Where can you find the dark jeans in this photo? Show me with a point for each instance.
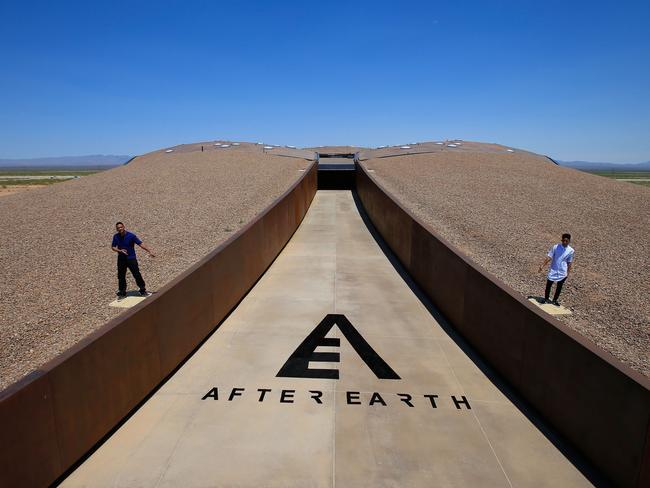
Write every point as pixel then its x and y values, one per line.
pixel 132 264
pixel 558 288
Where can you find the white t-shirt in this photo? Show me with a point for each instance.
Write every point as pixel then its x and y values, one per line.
pixel 560 256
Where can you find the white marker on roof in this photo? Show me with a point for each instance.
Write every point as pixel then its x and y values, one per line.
pixel 225 145
pixel 452 145
pixel 268 147
pixel 291 147
pixel 169 150
pixel 235 144
pixel 440 143
pixel 405 147
pixel 510 150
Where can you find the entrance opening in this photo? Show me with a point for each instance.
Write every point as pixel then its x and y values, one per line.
pixel 336 171
pixel 336 155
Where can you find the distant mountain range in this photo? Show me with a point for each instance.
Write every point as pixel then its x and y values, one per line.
pixel 590 166
pixel 93 160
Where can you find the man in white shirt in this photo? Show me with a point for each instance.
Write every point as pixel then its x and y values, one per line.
pixel 561 257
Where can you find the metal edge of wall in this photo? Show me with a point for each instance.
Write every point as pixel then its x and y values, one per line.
pixel 552 160
pixel 53 416
pixel 595 401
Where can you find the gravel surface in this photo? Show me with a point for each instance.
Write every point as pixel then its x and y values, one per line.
pixel 335 149
pixel 58 271
pixel 13 189
pixel 506 209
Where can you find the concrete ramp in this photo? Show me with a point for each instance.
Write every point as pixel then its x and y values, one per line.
pixel 331 372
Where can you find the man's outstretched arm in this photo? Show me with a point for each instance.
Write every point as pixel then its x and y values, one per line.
pixel 143 246
pixel 546 261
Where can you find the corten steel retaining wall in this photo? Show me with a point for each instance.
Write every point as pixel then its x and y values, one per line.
pixel 51 418
pixel 591 398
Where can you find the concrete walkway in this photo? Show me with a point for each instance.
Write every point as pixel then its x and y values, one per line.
pixel 330 305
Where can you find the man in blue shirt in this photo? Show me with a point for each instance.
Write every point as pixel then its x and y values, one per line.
pixel 124 245
pixel 561 257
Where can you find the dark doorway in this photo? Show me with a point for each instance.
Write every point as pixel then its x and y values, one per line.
pixel 336 171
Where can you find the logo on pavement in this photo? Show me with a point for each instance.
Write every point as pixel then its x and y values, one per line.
pixel 297 366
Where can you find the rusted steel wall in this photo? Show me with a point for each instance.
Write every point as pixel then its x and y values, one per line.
pixel 51 418
pixel 596 402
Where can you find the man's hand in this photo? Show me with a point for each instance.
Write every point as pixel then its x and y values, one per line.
pixel 120 251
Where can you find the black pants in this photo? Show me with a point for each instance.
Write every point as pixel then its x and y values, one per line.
pixel 558 288
pixel 122 264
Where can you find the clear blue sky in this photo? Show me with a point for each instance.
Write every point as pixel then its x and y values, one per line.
pixel 570 79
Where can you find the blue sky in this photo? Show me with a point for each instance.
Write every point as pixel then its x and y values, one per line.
pixel 567 79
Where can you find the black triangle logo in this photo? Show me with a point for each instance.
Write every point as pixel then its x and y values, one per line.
pixel 297 366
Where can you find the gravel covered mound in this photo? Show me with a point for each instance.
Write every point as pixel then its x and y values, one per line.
pixel 58 271
pixel 335 149
pixel 505 210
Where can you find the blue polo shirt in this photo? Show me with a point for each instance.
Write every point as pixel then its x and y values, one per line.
pixel 127 242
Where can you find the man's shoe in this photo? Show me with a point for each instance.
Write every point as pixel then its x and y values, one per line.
pixel 121 297
pixel 541 300
pixel 145 293
pixel 556 303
